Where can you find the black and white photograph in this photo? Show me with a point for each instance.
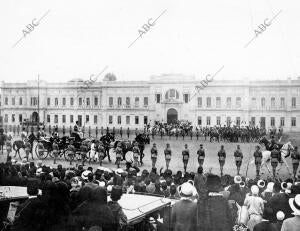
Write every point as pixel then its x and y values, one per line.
pixel 147 115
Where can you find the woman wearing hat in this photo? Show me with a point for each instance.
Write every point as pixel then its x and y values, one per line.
pixel 222 157
pixel 168 153
pixel 184 212
pixel 153 155
pixel 185 156
pixel 293 223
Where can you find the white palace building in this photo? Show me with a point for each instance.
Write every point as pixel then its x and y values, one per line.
pixel 163 98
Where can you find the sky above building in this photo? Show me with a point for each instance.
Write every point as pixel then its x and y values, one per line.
pixel 77 39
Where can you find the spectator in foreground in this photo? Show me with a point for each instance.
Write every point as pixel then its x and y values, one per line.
pixel 183 212
pixel 293 223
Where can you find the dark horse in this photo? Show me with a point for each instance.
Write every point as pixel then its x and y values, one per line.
pixel 106 140
pixel 19 144
pixel 269 146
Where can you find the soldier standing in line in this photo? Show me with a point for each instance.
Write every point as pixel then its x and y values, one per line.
pixel 136 154
pixel 83 152
pixel 205 133
pixel 119 154
pixel 168 153
pixel 182 133
pixel 238 155
pixel 152 133
pixel 295 160
pixel 101 152
pixel 161 134
pixel 191 134
pixel 28 149
pixel 55 150
pixel 128 132
pixel 71 151
pixel 274 159
pixel 154 155
pixel 197 133
pixel 185 157
pixel 201 155
pixel 257 159
pixel 222 157
pixel 176 133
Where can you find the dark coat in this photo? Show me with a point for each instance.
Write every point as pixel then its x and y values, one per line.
pixel 184 216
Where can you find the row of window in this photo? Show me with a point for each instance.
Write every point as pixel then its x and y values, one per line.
pixel 238 102
pixel 127 119
pixel 262 121
pixel 172 94
pixel 127 101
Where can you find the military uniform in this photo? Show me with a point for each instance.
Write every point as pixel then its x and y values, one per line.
pixel 222 157
pixel 83 152
pixel 185 157
pixel 257 160
pixel 274 160
pixel 201 155
pixel 71 152
pixel 136 154
pixel 55 151
pixel 168 153
pixel 154 155
pixel 28 149
pixel 101 152
pixel 119 154
pixel 295 160
pixel 238 155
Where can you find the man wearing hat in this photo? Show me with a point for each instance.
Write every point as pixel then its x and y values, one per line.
pixel 222 157
pixel 154 155
pixel 136 154
pixel 238 155
pixel 295 160
pixel 184 211
pixel 119 154
pixel 275 155
pixel 101 152
pixel 201 155
pixel 185 157
pixel 168 153
pixel 257 159
pixel 293 223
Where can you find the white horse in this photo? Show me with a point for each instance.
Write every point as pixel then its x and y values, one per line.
pixel 284 152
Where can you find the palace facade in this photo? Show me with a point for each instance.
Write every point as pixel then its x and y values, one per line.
pixel 163 98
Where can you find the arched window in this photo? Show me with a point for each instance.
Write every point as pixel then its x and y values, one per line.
pixel 172 94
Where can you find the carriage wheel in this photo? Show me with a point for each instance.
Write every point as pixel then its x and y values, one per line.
pixel 67 156
pixel 40 151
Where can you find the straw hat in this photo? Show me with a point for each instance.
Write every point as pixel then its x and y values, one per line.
pixel 295 204
pixel 237 179
pixel 85 174
pixel 280 215
pixel 270 187
pixel 261 183
pixel 254 189
pixel 186 190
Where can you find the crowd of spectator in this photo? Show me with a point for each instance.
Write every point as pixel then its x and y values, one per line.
pixel 82 198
